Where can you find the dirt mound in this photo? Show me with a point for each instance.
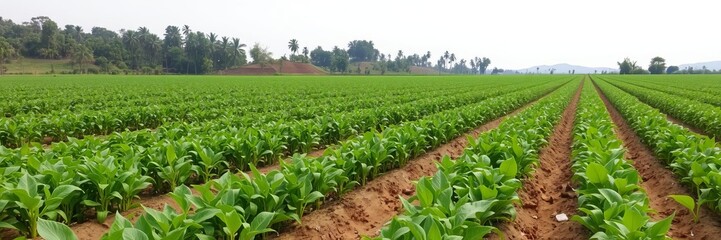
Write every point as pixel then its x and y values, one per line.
pixel 286 67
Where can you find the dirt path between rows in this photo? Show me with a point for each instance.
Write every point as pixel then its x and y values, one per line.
pixel 363 211
pixel 549 191
pixel 659 182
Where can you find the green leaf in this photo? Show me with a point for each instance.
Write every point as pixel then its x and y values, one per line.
pixel 633 219
pixel 424 192
pixel 134 234
pixel 50 230
pixel 685 201
pixel 258 226
pixel 596 173
pixel 611 195
pixel 660 228
pixel 509 167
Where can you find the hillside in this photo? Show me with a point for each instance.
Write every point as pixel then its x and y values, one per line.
pixel 37 66
pixel 714 65
pixel 287 67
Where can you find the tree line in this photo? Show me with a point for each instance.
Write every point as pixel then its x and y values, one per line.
pixel 178 50
pixel 182 50
pixel 658 66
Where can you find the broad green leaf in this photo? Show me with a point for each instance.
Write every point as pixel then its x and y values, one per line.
pixel 509 167
pixel 51 230
pixel 134 234
pixel 685 201
pixel 596 173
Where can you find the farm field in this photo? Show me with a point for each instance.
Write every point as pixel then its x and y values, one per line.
pixel 350 157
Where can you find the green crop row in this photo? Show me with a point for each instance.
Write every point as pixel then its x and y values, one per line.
pixel 611 201
pixel 694 158
pixel 468 195
pixel 233 207
pixel 42 95
pixel 110 183
pixel 713 99
pixel 701 115
pixel 60 125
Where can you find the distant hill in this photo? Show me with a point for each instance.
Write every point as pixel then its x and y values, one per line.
pixel 715 65
pixel 287 67
pixel 564 68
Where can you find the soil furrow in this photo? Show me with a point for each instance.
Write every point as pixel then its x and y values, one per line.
pixel 549 191
pixel 363 211
pixel 660 182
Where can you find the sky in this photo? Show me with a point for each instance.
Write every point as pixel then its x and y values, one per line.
pixel 514 34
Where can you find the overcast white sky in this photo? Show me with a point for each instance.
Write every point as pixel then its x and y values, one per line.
pixel 513 34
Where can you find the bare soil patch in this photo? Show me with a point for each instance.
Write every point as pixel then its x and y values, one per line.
pixel 659 182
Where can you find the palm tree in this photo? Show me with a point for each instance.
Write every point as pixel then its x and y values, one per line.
pixel 237 50
pixel 452 59
pixel 187 32
pixel 83 55
pixel 446 56
pixel 79 32
pixel 212 41
pixel 293 46
pixel 131 40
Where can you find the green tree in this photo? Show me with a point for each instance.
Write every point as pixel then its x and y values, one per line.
pixel 6 52
pixel 657 66
pixel 293 46
pixel 321 58
pixel 362 51
pixel 261 55
pixel 340 60
pixel 451 59
pixel 49 39
pixel 482 64
pixel 627 66
pixel 672 69
pixel 172 40
pixel 83 55
pixel 238 52
pixel 446 56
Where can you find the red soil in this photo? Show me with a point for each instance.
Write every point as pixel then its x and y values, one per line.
pixel 287 67
pixel 659 182
pixel 549 192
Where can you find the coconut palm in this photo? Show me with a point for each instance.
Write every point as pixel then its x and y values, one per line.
pixel 237 51
pixel 451 59
pixel 293 46
pixel 446 56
